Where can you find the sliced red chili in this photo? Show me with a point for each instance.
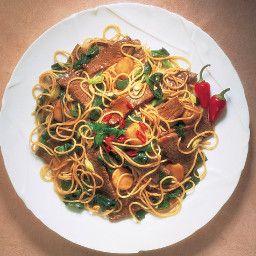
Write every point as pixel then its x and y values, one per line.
pixel 108 148
pixel 121 122
pixel 141 136
pixel 129 105
pixel 131 153
pixel 143 127
pixel 106 118
pixel 109 139
pixel 121 139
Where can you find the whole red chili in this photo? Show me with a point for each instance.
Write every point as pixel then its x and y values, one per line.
pixel 108 148
pixel 143 127
pixel 131 153
pixel 217 104
pixel 202 89
pixel 129 105
pixel 121 139
pixel 141 136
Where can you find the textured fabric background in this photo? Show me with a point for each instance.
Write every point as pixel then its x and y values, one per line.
pixel 233 25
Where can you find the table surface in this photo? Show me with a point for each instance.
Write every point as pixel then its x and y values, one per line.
pixel 232 24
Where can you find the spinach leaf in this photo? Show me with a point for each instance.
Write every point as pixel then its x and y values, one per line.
pixel 141 158
pixel 75 206
pixel 147 68
pixel 140 214
pixel 65 184
pixel 106 129
pixel 98 139
pixel 98 79
pixel 167 64
pixel 44 137
pixel 94 115
pixel 74 109
pixel 104 202
pixel 153 82
pixel 160 53
pixel 56 66
pixel 168 197
pixel 65 147
pixel 156 102
pixel 86 57
pixel 179 129
pixel 62 93
pixel 122 84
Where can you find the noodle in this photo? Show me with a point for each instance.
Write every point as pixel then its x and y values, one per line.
pixel 68 139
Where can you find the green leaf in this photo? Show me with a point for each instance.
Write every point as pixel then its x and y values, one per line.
pixel 74 109
pixel 86 57
pixel 153 82
pixel 44 137
pixel 141 158
pixel 156 102
pixel 62 93
pixel 122 84
pixel 65 184
pixel 95 114
pixel 167 64
pixel 147 68
pixel 140 214
pixel 65 147
pixel 129 121
pixel 75 206
pixel 98 79
pixel 56 66
pixel 98 139
pixel 104 202
pixel 179 129
pixel 160 53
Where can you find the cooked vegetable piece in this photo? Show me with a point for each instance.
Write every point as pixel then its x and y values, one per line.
pixel 104 202
pixel 153 82
pixel 176 170
pixel 147 68
pixel 76 206
pixel 125 181
pixel 160 53
pixel 122 84
pixel 179 129
pixel 167 64
pixel 86 57
pixel 140 214
pixel 125 65
pixel 141 158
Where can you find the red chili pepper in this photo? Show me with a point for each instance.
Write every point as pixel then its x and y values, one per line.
pixel 108 148
pixel 109 139
pixel 121 122
pixel 129 105
pixel 141 136
pixel 217 104
pixel 143 127
pixel 121 139
pixel 202 90
pixel 106 118
pixel 132 153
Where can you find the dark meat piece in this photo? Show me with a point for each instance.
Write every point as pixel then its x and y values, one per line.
pixel 107 188
pixel 77 93
pixel 65 78
pixel 194 116
pixel 168 143
pixel 40 152
pixel 171 109
pixel 192 77
pixel 124 213
pixel 125 104
pixel 107 57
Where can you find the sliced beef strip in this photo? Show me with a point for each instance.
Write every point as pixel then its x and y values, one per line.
pixel 66 77
pixel 107 187
pixel 168 143
pixel 125 104
pixel 192 77
pixel 124 213
pixel 76 92
pixel 108 56
pixel 40 152
pixel 171 109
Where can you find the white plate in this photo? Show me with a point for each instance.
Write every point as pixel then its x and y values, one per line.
pixel 157 28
